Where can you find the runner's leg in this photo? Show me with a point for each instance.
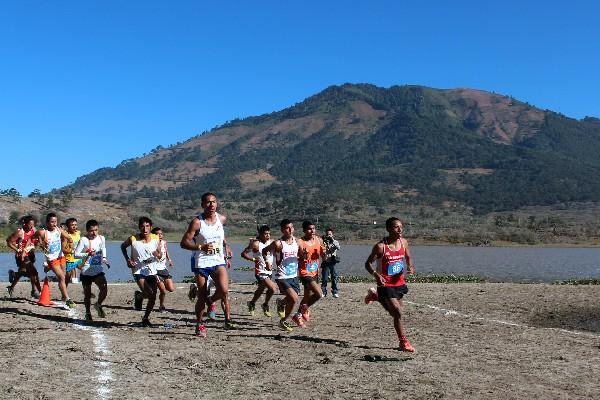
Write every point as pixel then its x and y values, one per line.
pixel 222 290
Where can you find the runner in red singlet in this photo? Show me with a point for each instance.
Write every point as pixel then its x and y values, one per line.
pixel 23 243
pixel 393 257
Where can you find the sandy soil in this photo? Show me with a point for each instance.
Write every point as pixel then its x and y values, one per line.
pixel 472 341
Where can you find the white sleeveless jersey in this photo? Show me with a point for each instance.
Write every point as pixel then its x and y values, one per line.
pixel 262 267
pixel 54 245
pixel 162 263
pixel 214 234
pixel 141 253
pixel 93 265
pixel 288 266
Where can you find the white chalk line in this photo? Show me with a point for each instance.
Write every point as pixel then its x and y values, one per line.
pixel 101 348
pixel 448 312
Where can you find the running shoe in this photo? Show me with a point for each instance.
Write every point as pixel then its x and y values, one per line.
pixel 212 311
pixel 88 317
pixel 99 310
pixel 70 303
pixel 162 309
pixel 336 295
pixel 305 312
pixel 297 318
pixel 284 325
pixel 266 310
pixel 200 331
pixel 371 296
pixel 280 307
pixel 10 290
pixel 193 292
pixel 229 326
pixel 146 323
pixel 405 345
pixel 35 294
pixel 251 307
pixel 11 276
pixel 138 299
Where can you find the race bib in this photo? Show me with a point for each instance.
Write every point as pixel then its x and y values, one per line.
pixel 291 269
pixel 396 268
pixel 53 247
pixel 312 266
pixel 96 260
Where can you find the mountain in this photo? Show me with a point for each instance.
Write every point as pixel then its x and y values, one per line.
pixel 359 146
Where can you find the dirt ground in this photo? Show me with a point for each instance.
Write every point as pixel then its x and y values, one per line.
pixel 506 341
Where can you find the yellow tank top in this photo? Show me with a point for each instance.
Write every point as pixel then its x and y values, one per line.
pixel 69 248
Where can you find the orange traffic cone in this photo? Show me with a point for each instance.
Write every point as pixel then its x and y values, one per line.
pixel 45 296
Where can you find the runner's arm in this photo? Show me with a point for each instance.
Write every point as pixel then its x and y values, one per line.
pixel 247 250
pixel 11 241
pixel 376 253
pixel 79 252
pixel 187 241
pixel 124 246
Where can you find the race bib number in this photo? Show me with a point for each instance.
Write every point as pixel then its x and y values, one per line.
pixel 96 260
pixel 291 269
pixel 53 247
pixel 396 268
pixel 312 266
pixel 215 251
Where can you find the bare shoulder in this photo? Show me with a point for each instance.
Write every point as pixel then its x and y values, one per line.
pixel 223 218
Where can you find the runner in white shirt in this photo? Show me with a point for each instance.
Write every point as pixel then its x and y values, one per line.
pixel 205 236
pixel 286 276
pixel 262 269
pixel 165 280
pixel 145 253
pixel 91 249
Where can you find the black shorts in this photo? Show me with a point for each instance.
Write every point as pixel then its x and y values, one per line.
pixel 89 279
pixel 284 284
pixel 27 262
pixel 391 292
pixel 163 274
pixel 148 278
pixel 306 280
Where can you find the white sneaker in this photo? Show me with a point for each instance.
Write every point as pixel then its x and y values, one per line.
pixel 336 295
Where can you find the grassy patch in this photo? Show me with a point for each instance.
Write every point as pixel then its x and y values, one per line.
pixel 579 281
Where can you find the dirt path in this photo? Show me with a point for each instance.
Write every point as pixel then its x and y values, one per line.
pixel 472 341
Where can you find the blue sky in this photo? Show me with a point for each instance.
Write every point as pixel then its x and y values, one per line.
pixel 87 84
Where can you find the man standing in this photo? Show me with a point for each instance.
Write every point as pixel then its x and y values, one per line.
pixel 205 236
pixel 393 257
pixel 23 243
pixel 332 247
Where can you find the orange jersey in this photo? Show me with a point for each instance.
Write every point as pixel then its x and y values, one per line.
pixel 310 266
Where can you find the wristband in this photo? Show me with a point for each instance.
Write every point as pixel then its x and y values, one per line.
pixel 199 247
pixel 254 259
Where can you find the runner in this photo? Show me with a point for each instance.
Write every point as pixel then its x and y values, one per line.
pixel 311 253
pixel 145 253
pixel 262 269
pixel 286 277
pixel 392 255
pixel 165 280
pixel 205 236
pixel 23 243
pixel 51 239
pixel 91 252
pixel 72 263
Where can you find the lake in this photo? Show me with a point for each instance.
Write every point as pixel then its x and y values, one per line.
pixel 497 264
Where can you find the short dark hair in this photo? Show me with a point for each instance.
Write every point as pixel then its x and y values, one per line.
pixel 284 222
pixel 27 219
pixel 263 228
pixel 144 220
pixel 306 224
pixel 69 220
pixel 205 196
pixel 390 221
pixel 90 223
pixel 156 229
pixel 328 229
pixel 50 216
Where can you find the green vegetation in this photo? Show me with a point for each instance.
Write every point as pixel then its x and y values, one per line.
pixel 579 281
